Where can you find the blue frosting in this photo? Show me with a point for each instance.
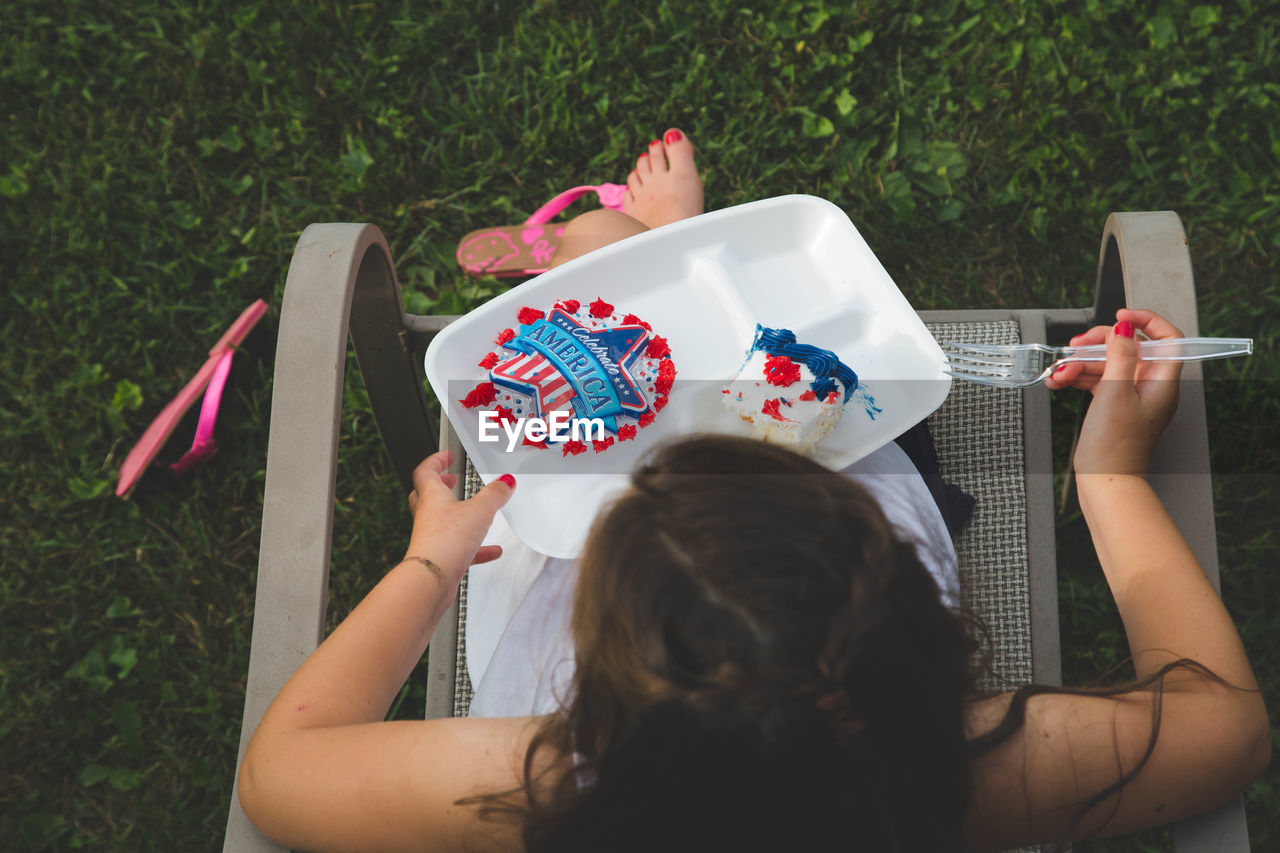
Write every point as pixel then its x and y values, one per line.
pixel 823 363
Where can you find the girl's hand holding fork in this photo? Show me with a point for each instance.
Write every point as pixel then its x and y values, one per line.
pixel 1133 400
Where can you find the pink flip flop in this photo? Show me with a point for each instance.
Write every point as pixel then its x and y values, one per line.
pixel 213 375
pixel 523 250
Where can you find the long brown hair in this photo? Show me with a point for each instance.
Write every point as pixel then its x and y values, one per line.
pixel 762 664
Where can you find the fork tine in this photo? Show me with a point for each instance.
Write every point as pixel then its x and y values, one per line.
pixel 1011 378
pixel 975 354
pixel 981 380
pixel 965 358
pixel 981 349
pixel 990 379
pixel 992 371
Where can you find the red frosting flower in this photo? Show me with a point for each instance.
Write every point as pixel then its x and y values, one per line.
pixel 572 448
pixel 482 395
pixel 505 415
pixel 781 371
pixel 505 335
pixel 626 433
pixel 601 309
pixel 601 444
pixel 832 397
pixel 808 395
pixel 529 315
pixel 658 347
pixel 660 403
pixel 645 420
pixel 569 306
pixel 666 376
pixel 633 320
pixel 489 360
pixel 770 408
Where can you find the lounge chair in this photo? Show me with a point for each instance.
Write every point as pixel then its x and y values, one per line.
pixel 341 281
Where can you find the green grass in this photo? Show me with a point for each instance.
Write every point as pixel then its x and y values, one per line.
pixel 159 159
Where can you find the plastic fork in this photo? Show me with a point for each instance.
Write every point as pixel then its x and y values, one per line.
pixel 1024 365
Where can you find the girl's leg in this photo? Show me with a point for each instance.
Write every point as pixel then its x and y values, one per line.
pixel 595 230
pixel 664 187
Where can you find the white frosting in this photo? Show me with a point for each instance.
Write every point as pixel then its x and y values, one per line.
pixel 801 423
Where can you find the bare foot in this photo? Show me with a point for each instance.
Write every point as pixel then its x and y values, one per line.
pixel 664 187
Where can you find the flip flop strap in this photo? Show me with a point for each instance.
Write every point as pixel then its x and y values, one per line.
pixel 610 195
pixel 163 426
pixel 204 445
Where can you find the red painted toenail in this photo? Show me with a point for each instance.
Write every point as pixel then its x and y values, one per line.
pixel 644 154
pixel 655 142
pixel 672 137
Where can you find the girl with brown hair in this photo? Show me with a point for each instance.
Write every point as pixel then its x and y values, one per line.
pixel 762 662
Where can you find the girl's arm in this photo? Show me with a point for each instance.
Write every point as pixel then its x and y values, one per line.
pixel 323 770
pixel 1212 738
pixel 357 671
pixel 1169 607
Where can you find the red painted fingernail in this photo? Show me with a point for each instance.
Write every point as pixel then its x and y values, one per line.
pixel 509 480
pixel 1058 369
pixel 1124 329
pixel 672 137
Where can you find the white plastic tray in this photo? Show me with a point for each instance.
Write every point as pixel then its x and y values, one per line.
pixel 794 262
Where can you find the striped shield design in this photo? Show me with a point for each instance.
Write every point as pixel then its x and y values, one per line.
pixel 551 390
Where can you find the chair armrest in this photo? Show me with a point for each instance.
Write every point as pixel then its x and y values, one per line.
pixel 297 521
pixel 389 350
pixel 1145 263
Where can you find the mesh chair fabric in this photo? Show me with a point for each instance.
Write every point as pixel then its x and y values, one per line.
pixel 979 435
pixel 462 689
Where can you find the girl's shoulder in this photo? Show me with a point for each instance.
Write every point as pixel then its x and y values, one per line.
pixel 1035 785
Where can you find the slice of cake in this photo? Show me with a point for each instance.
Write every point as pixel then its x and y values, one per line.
pixel 791 393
